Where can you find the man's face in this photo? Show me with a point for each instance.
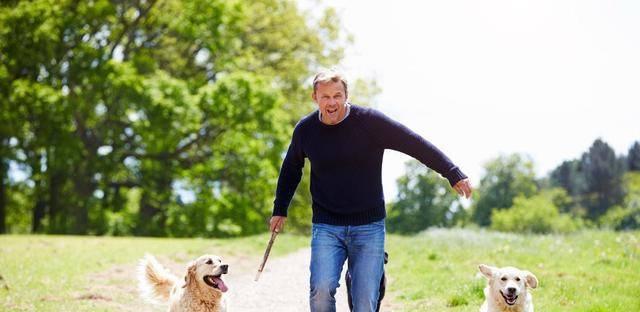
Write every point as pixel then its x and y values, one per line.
pixel 332 101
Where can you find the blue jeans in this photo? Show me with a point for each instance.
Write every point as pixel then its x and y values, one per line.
pixel 331 245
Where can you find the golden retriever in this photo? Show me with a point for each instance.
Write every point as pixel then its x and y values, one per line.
pixel 506 289
pixel 201 291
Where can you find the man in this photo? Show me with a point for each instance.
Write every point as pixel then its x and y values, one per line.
pixel 345 144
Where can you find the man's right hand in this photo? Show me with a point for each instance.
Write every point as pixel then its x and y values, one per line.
pixel 276 224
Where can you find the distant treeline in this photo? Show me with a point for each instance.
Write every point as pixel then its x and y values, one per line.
pixel 599 189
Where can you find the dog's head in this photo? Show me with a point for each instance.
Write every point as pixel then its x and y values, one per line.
pixel 207 270
pixel 508 284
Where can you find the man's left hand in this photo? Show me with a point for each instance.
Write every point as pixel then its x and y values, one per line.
pixel 463 187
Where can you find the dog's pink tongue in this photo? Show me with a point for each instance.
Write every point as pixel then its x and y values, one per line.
pixel 221 285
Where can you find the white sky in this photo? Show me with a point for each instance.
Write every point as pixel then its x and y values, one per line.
pixel 484 78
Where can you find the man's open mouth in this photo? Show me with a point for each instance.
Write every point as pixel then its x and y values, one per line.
pixel 331 111
pixel 509 299
pixel 216 282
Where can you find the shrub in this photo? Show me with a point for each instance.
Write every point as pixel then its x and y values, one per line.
pixel 627 216
pixel 535 214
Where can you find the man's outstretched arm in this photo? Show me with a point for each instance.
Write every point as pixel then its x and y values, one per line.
pixel 288 180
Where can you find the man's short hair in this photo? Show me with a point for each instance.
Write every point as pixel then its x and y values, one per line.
pixel 331 75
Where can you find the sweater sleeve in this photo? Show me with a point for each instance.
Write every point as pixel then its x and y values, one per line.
pixel 290 174
pixel 393 135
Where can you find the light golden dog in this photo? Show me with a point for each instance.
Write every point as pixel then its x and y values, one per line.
pixel 201 290
pixel 506 289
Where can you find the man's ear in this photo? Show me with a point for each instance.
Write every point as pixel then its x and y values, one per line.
pixel 531 279
pixel 190 277
pixel 313 96
pixel 486 270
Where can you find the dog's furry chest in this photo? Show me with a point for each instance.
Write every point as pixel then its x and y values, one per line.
pixel 186 302
pixel 492 304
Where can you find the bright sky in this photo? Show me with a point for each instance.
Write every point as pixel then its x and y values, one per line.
pixel 484 78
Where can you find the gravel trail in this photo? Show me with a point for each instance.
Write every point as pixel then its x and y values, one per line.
pixel 283 286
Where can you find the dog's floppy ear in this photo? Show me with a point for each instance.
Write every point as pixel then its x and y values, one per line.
pixel 486 270
pixel 191 273
pixel 531 279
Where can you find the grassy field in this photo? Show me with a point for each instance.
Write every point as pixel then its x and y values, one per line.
pixel 586 272
pixel 72 273
pixel 432 271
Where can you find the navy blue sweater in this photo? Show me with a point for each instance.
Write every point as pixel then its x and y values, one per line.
pixel 346 165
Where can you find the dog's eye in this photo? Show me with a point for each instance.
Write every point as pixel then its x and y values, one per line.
pixel 209 261
pixel 517 279
pixel 503 279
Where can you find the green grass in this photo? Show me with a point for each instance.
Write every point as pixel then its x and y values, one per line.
pixel 53 273
pixel 587 271
pixel 433 271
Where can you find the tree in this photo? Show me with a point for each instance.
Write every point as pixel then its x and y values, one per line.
pixel 113 97
pixel 569 176
pixel 603 173
pixel 4 170
pixel 535 214
pixel 424 199
pixel 627 215
pixel 505 178
pixel 633 158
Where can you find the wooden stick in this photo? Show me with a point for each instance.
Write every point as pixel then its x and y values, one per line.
pixel 266 254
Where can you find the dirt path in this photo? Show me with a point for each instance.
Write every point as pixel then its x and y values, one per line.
pixel 283 286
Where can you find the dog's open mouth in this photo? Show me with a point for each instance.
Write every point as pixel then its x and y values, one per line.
pixel 509 299
pixel 216 282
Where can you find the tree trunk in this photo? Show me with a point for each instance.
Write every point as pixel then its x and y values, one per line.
pixel 38 215
pixel 55 178
pixel 146 217
pixel 155 199
pixel 84 188
pixel 39 209
pixel 4 168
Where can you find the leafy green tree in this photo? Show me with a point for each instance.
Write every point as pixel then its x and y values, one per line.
pixel 424 199
pixel 111 98
pixel 4 183
pixel 603 173
pixel 505 178
pixel 569 176
pixel 633 158
pixel 535 214
pixel 627 215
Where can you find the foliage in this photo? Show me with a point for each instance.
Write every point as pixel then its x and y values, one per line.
pixel 626 216
pixel 568 175
pixel 505 178
pixel 424 200
pixel 105 99
pixel 633 157
pixel 536 214
pixel 603 173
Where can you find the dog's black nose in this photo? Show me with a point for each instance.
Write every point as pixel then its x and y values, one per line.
pixel 511 290
pixel 224 268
